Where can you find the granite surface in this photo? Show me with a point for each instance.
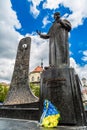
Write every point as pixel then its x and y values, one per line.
pixel 59 85
pixel 20 92
pixel 15 124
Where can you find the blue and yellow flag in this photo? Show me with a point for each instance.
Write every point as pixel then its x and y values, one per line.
pixel 50 116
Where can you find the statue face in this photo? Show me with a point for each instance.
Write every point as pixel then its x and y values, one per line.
pixel 56 16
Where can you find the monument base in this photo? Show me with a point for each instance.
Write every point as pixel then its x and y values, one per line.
pixel 61 86
pixel 28 111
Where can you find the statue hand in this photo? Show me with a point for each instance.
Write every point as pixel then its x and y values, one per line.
pixel 38 32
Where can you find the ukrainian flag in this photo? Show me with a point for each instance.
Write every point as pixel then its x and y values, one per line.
pixel 50 116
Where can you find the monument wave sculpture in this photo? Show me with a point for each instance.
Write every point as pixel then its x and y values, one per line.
pixel 58 41
pixel 20 92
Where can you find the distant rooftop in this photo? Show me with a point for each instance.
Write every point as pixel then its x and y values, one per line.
pixel 37 69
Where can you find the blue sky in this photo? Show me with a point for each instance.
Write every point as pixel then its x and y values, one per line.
pixel 21 18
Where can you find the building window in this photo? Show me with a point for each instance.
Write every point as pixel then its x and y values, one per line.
pixel 38 78
pixel 32 79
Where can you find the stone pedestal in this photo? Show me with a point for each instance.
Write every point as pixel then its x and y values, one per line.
pixel 61 86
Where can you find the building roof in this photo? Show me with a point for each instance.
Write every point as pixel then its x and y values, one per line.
pixel 37 69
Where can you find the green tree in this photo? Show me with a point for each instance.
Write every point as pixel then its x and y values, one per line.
pixel 35 89
pixel 3 92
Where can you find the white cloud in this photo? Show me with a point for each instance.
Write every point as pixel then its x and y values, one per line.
pixel 6 69
pixel 39 50
pixel 33 7
pixel 34 11
pixel 77 7
pixel 7 15
pixel 84 58
pixel 45 21
pixel 80 70
pixel 79 11
pixel 85 53
pixel 8 39
pixel 50 4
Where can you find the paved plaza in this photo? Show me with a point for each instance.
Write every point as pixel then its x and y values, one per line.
pixel 15 124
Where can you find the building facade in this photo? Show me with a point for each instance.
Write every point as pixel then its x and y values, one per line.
pixel 35 75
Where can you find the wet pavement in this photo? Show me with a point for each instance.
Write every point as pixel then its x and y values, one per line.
pixel 18 124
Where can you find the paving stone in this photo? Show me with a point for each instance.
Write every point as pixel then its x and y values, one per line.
pixel 15 124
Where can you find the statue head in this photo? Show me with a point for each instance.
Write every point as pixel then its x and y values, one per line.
pixel 56 15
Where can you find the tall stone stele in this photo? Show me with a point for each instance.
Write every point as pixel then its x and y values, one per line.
pixel 19 92
pixel 59 82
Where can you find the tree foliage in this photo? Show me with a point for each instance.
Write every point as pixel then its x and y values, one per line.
pixel 3 92
pixel 35 89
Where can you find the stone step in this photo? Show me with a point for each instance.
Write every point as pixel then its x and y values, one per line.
pixel 26 105
pixel 5 108
pixel 20 113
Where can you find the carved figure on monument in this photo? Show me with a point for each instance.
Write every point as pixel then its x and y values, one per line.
pixel 58 41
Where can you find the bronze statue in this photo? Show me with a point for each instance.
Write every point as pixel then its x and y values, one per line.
pixel 58 41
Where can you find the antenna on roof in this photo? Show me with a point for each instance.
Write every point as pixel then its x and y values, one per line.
pixel 42 63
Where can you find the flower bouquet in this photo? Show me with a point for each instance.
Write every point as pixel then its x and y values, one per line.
pixel 50 116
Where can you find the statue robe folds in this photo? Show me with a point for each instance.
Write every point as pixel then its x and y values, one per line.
pixel 58 44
